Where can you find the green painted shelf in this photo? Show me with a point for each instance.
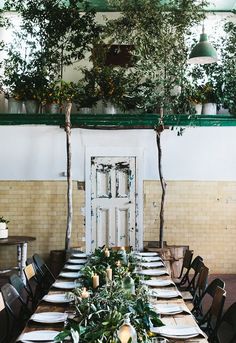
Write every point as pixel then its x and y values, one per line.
pixel 118 121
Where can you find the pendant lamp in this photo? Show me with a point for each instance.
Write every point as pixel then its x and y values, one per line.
pixel 203 52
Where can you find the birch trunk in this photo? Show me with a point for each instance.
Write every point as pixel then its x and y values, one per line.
pixel 162 181
pixel 69 176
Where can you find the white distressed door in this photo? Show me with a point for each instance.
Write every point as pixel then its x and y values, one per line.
pixel 113 201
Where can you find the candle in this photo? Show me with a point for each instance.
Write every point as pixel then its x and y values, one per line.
pixel 118 263
pixel 122 248
pixel 107 253
pixel 109 273
pixel 84 293
pixel 95 280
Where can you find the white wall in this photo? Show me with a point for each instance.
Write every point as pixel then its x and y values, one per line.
pixel 39 152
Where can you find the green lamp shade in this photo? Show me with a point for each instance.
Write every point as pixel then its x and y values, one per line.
pixel 203 52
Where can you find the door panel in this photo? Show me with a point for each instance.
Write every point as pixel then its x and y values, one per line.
pixel 113 201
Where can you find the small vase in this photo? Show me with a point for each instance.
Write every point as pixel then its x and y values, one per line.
pixel 198 109
pixel 209 109
pixel 110 108
pixel 32 106
pixel 14 105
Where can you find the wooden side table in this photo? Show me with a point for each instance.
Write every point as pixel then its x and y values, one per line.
pixel 21 243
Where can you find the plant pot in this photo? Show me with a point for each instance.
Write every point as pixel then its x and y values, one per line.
pixel 14 105
pixel 52 108
pixel 32 106
pixel 198 109
pixel 209 109
pixel 3 233
pixel 86 110
pixel 3 226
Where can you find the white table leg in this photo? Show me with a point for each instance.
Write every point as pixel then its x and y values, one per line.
pixel 21 259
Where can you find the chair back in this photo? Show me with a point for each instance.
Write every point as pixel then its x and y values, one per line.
pixel 196 267
pixel 33 284
pixel 4 322
pixel 16 308
pixel 23 291
pixel 226 332
pixel 212 318
pixel 201 284
pixel 186 262
pixel 46 278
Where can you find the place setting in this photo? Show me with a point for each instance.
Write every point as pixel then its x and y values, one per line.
pixel 79 255
pixel 56 298
pixel 165 293
pixel 49 317
pixel 65 284
pixel 179 332
pixel 70 275
pixel 38 336
pixel 153 272
pixel 73 266
pixel 152 264
pixel 158 283
pixel 171 309
pixel 77 260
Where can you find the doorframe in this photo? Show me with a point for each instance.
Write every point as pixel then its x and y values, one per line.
pixel 138 153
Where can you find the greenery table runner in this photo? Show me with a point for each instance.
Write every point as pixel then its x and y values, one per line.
pixel 110 291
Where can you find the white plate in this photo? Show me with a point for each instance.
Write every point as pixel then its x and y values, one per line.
pixel 49 317
pixel 58 298
pixel 39 335
pixel 177 332
pixel 152 264
pixel 157 283
pixel 149 254
pixel 77 260
pixel 73 266
pixel 64 285
pixel 150 259
pixel 169 309
pixel 154 272
pixel 166 294
pixel 79 255
pixel 70 275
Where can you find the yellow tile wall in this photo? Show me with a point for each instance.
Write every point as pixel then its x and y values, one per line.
pixel 38 208
pixel 199 214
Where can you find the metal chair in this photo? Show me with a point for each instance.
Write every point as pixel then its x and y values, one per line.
pixel 211 320
pixel 46 277
pixel 4 322
pixel 197 310
pixel 226 332
pixel 16 308
pixel 201 284
pixel 185 266
pixel 188 282
pixel 36 291
pixel 23 291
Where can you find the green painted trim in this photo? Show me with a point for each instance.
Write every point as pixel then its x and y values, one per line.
pixel 118 121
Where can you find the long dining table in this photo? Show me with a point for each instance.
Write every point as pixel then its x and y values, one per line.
pixel 184 319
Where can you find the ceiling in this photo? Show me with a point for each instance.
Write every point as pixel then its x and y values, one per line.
pixel 216 5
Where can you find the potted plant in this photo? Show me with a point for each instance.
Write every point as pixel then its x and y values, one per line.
pixel 3 227
pixel 197 98
pixel 229 71
pixel 51 98
pixel 210 99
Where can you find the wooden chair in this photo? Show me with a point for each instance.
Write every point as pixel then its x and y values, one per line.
pixel 211 320
pixel 36 291
pixel 185 266
pixel 16 308
pixel 197 310
pixel 4 322
pixel 23 291
pixel 226 332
